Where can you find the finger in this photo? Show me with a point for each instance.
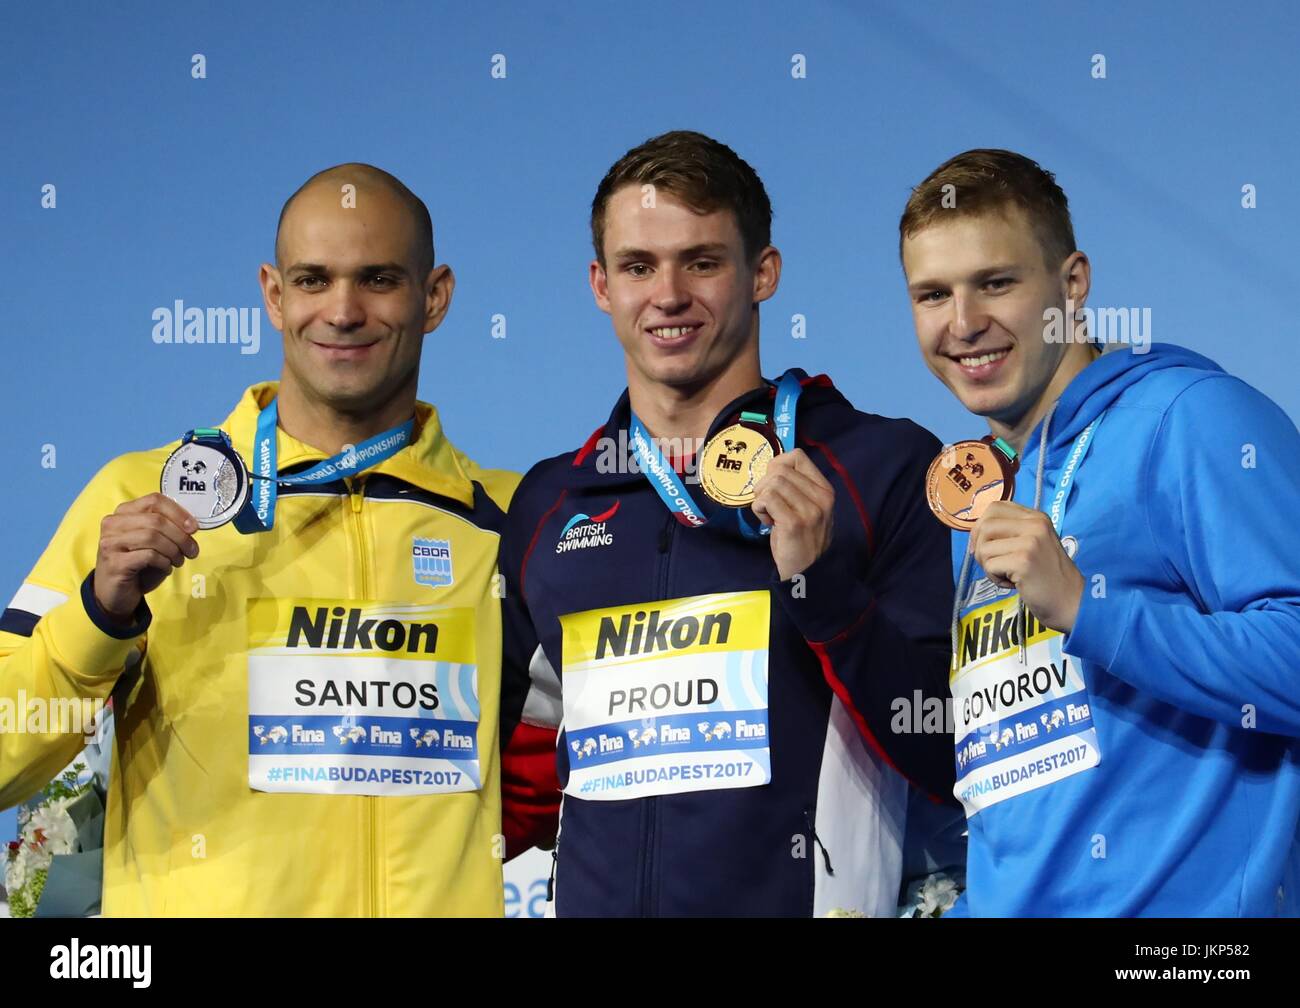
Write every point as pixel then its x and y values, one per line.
pixel 174 513
pixel 988 529
pixel 154 521
pixel 796 464
pixel 160 503
pixel 1009 509
pixel 771 504
pixel 786 508
pixel 139 560
pixel 1003 571
pixel 796 497
pixel 822 497
pixel 144 538
pixel 806 467
pixel 994 548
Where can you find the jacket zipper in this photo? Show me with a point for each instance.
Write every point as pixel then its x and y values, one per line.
pixel 812 833
pixel 356 496
pixel 555 853
pixel 650 814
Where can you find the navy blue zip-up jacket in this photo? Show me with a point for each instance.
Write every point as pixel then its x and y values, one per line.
pixel 854 648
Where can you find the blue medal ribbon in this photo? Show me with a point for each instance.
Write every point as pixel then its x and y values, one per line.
pixel 1056 510
pixel 258 514
pixel 672 489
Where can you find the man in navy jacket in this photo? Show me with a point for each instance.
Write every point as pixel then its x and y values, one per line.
pixel 730 686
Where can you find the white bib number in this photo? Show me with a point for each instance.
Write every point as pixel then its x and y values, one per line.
pixel 361 698
pixel 667 697
pixel 1019 725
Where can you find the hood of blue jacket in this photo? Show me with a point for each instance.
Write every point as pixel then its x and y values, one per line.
pixel 1099 385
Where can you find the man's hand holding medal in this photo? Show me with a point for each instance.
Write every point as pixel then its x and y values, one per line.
pixel 1018 548
pixel 798 502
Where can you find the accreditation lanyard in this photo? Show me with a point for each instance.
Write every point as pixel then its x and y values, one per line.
pixel 1056 510
pixel 259 514
pixel 672 489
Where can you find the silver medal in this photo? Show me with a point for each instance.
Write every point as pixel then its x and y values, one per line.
pixel 209 483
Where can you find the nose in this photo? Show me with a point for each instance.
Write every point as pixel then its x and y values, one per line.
pixel 345 310
pixel 969 319
pixel 670 293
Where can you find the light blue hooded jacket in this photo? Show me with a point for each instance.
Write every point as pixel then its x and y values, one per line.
pixel 1186 512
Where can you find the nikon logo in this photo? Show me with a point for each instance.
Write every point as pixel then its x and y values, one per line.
pixel 993 633
pixel 644 633
pixel 344 628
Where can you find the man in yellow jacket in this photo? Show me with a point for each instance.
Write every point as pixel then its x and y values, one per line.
pixel 306 697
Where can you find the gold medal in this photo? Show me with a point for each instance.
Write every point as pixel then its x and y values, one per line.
pixel 966 477
pixel 734 460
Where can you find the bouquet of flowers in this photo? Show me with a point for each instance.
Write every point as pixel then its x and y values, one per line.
pixel 58 853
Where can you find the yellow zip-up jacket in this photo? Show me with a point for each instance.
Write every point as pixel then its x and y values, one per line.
pixel 185 834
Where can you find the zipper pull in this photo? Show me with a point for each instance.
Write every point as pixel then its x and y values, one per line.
pixel 356 491
pixel 826 855
pixel 550 882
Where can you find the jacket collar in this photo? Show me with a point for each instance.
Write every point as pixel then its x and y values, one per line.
pixel 607 458
pixel 429 463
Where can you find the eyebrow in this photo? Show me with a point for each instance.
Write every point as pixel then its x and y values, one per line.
pixel 977 276
pixel 706 248
pixel 366 270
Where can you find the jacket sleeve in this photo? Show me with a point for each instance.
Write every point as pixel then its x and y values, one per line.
pixel 1221 499
pixel 60 655
pixel 531 710
pixel 878 623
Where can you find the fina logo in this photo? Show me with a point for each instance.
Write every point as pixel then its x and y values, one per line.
pixel 431 559
pixel 190 482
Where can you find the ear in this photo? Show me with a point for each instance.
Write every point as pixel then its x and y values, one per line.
pixel 767 274
pixel 439 286
pixel 599 282
pixel 268 278
pixel 1076 278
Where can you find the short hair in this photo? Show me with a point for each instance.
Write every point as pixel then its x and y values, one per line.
pixel 356 170
pixel 989 180
pixel 701 172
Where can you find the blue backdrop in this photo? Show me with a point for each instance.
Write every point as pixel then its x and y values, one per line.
pixel 167 188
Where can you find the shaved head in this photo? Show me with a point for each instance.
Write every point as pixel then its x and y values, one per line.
pixel 354 290
pixel 368 181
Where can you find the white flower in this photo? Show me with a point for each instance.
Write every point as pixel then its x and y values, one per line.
pixel 47 831
pixel 17 869
pixel 938 893
pixel 932 896
pixel 56 826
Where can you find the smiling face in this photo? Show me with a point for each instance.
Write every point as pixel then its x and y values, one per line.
pixel 979 288
pixel 680 290
pixel 352 297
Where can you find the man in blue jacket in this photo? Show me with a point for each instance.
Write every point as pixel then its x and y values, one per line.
pixel 723 677
pixel 1135 752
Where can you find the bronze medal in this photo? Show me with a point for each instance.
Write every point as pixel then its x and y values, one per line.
pixel 734 460
pixel 966 477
